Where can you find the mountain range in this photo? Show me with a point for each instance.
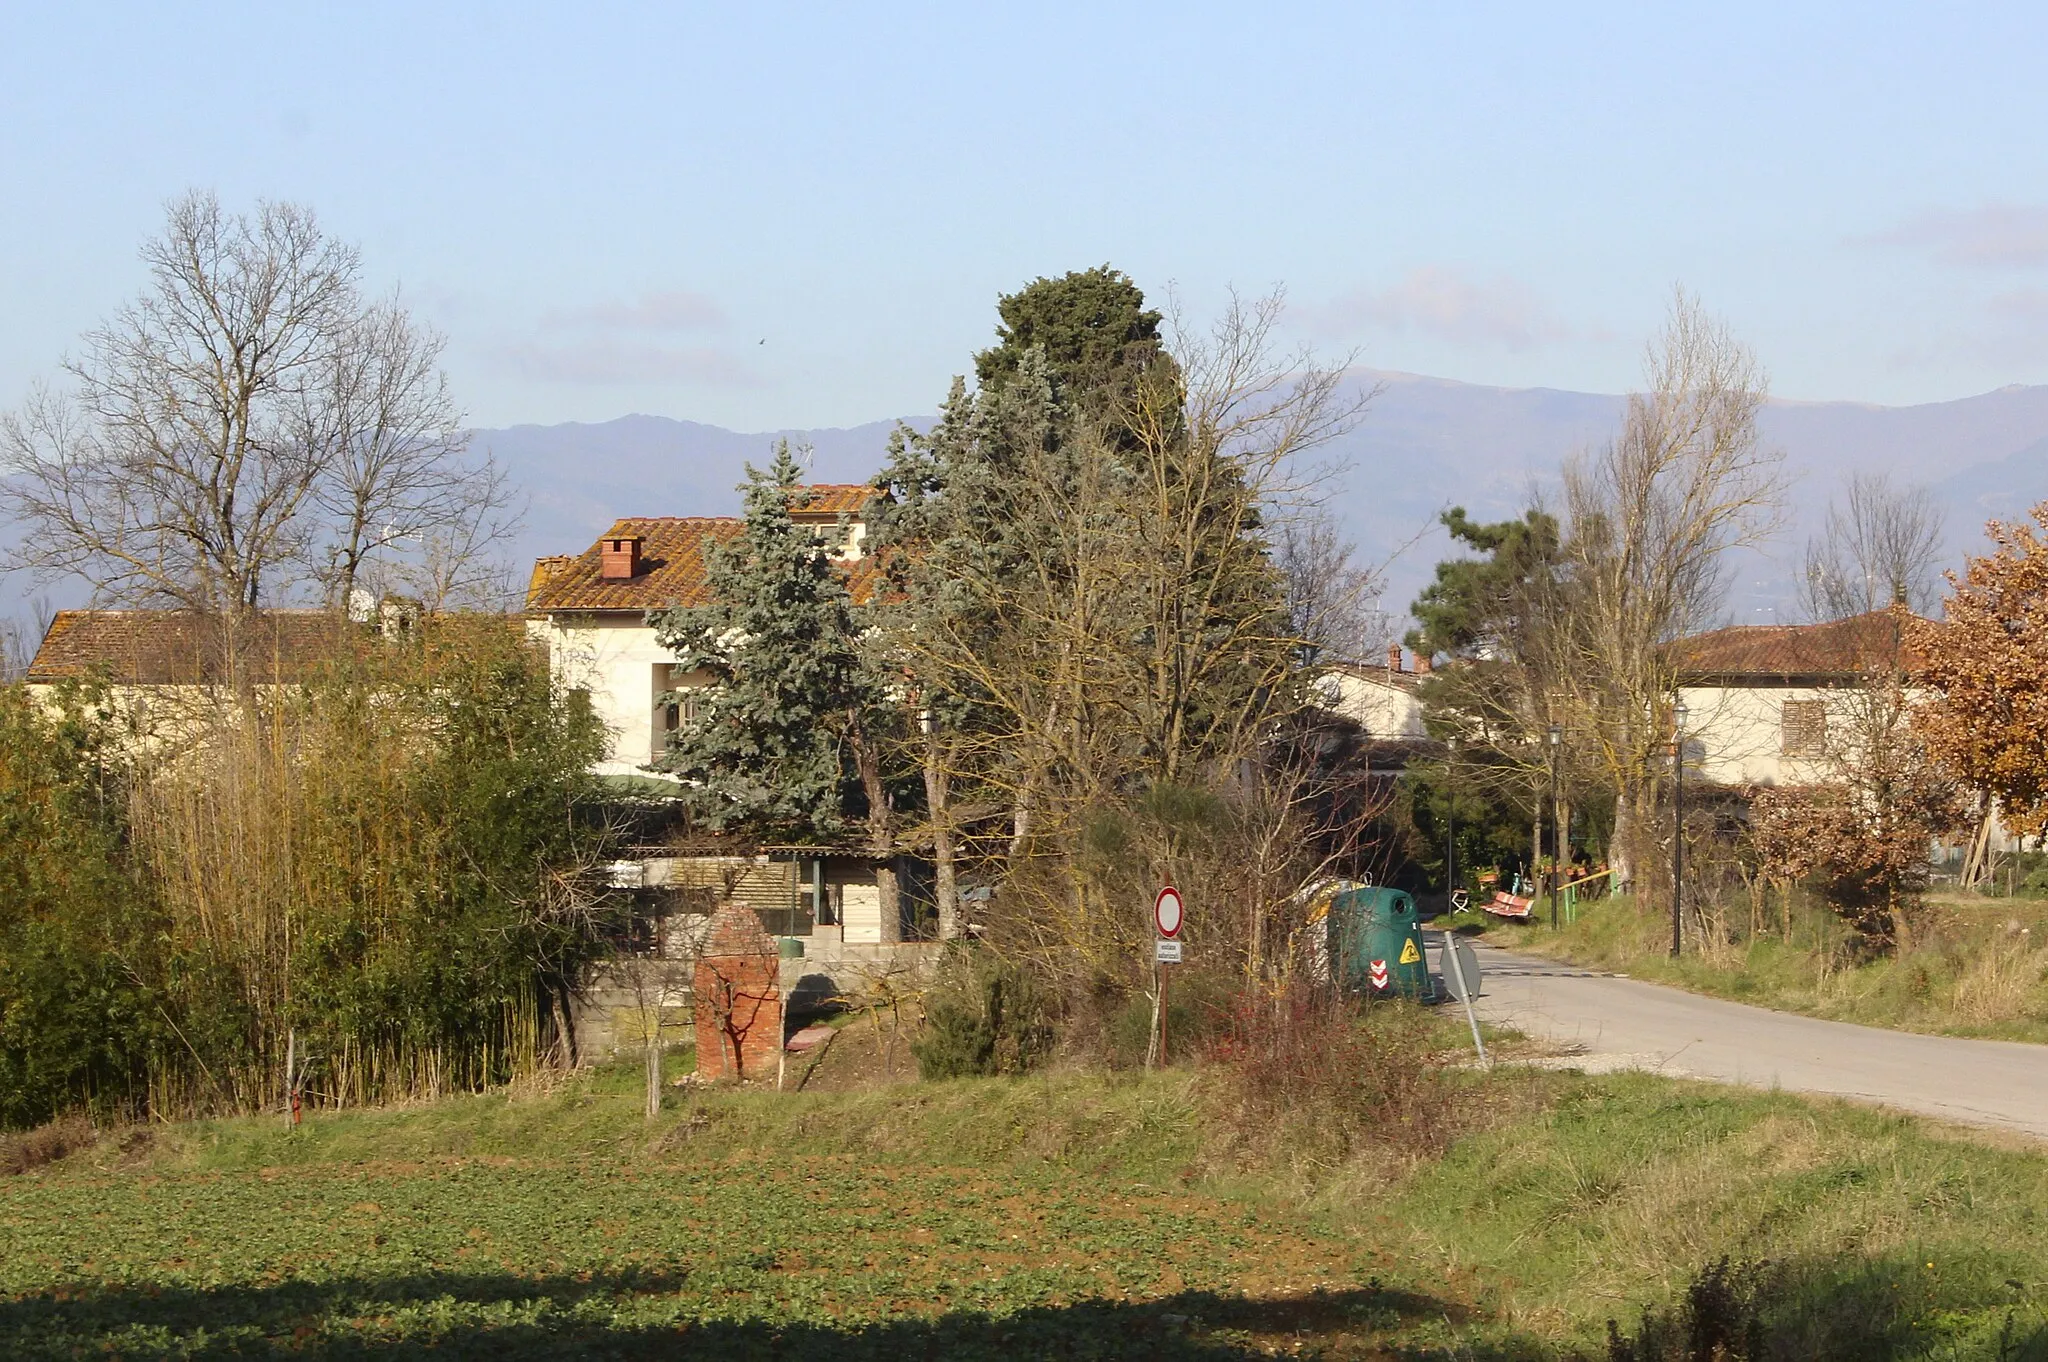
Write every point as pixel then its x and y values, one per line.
pixel 1424 444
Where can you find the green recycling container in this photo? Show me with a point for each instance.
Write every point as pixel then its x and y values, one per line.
pixel 1375 944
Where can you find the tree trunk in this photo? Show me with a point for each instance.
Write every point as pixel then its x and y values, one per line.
pixel 1020 827
pixel 565 1030
pixel 881 833
pixel 889 890
pixel 938 796
pixel 1628 852
pixel 654 1062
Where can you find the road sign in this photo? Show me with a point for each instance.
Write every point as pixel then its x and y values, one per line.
pixel 1461 979
pixel 1377 977
pixel 1166 952
pixel 1167 913
pixel 1461 968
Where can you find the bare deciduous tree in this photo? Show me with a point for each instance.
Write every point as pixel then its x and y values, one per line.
pixel 247 428
pixel 1881 546
pixel 1127 645
pixel 1333 603
pixel 1652 517
pixel 399 495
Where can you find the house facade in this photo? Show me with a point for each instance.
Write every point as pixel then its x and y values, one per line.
pixel 1770 705
pixel 591 608
pixel 1383 701
pixel 167 672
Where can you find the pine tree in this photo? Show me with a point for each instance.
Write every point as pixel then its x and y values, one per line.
pixel 777 748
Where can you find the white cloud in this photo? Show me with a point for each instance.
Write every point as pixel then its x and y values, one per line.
pixel 2021 306
pixel 1439 301
pixel 603 360
pixel 1995 236
pixel 667 311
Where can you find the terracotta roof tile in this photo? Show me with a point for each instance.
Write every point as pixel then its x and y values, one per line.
pixel 833 499
pixel 178 647
pixel 1839 648
pixel 674 568
pixel 544 570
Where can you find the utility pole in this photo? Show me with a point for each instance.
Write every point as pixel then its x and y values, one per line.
pixel 1677 825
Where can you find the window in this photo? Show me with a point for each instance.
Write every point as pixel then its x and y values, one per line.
pixel 672 708
pixel 1803 728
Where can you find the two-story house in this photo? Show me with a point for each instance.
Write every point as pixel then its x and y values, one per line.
pixel 591 611
pixel 1761 700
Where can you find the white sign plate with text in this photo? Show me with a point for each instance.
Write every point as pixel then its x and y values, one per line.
pixel 1166 952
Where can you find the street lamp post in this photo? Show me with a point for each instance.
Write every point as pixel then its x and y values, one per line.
pixel 1451 832
pixel 1557 832
pixel 1677 824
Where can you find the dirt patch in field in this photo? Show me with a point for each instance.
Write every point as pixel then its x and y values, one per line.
pixel 45 1144
pixel 867 1050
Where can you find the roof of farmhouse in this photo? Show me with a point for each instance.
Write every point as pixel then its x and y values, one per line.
pixel 1844 648
pixel 652 562
pixel 180 647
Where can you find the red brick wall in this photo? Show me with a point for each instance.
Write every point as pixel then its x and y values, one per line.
pixel 738 993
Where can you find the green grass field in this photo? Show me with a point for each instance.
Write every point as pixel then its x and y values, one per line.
pixel 1980 968
pixel 1071 1215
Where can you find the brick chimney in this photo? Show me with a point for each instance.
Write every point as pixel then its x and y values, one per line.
pixel 1422 664
pixel 1394 657
pixel 621 561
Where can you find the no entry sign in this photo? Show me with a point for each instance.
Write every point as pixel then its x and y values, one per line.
pixel 1167 913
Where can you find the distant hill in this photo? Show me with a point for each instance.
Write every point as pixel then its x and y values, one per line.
pixel 1425 443
pixel 579 478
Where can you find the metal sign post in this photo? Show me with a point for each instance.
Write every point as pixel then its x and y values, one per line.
pixel 1461 973
pixel 1168 913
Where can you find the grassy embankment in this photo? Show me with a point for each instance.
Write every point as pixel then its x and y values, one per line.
pixel 1978 967
pixel 1067 1215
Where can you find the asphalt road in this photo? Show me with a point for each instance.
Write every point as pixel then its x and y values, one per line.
pixel 1617 1023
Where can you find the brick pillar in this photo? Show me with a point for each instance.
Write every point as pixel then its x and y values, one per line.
pixel 738 998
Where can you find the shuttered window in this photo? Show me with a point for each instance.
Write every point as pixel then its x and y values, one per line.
pixel 1804 728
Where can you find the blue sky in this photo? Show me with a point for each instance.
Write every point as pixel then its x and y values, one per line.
pixel 767 216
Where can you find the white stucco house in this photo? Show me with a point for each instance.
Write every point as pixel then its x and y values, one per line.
pixel 1382 700
pixel 1762 700
pixel 591 610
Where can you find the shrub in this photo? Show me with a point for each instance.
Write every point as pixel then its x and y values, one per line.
pixel 984 1015
pixel 1337 1075
pixel 78 1000
pixel 1849 1308
pixel 380 869
pixel 45 1144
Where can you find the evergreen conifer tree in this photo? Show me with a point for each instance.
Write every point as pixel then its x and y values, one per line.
pixel 774 751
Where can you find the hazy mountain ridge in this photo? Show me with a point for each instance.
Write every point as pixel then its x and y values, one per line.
pixel 1425 443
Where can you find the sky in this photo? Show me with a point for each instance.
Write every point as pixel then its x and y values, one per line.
pixel 767 216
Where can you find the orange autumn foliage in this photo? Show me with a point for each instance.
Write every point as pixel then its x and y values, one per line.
pixel 1987 664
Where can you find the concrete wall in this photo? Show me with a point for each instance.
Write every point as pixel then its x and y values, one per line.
pixel 620 1000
